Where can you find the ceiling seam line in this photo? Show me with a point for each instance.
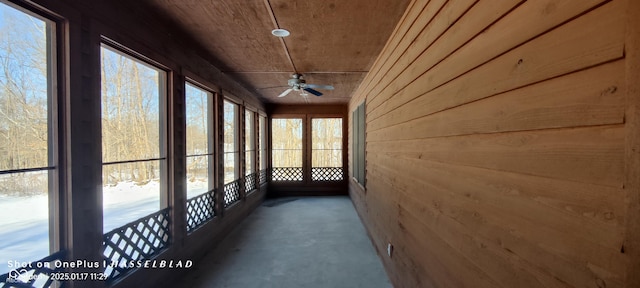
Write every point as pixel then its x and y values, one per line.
pixel 275 22
pixel 306 73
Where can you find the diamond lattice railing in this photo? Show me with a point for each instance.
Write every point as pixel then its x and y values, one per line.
pixel 250 182
pixel 200 209
pixel 327 174
pixel 138 240
pixel 231 193
pixel 287 174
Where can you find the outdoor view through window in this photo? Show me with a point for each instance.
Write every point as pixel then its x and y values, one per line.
pixel 132 125
pixel 263 142
pixel 287 149
pixel 231 147
pixel 249 141
pixel 326 149
pixel 199 140
pixel 27 155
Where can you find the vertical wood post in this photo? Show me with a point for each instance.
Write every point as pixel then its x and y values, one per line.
pixel 256 150
pixel 220 153
pixel 241 151
pixel 306 149
pixel 84 154
pixel 177 143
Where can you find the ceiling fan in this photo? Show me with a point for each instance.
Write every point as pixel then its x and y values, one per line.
pixel 297 83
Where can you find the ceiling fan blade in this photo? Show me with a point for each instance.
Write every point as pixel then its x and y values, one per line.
pixel 271 87
pixel 285 92
pixel 314 86
pixel 314 92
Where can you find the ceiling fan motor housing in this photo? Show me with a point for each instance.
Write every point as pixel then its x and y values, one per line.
pixel 296 83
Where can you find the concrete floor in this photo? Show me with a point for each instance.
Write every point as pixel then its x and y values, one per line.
pixel 294 242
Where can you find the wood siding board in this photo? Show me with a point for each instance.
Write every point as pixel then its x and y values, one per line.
pixel 504 147
pixel 474 21
pixel 518 196
pixel 595 205
pixel 420 236
pixel 453 243
pixel 496 254
pixel 399 34
pixel 590 155
pixel 407 268
pixel 441 18
pixel 457 204
pixel 558 57
pixel 544 55
pixel 404 239
pixel 416 265
pixel 421 26
pixel 590 97
pixel 488 254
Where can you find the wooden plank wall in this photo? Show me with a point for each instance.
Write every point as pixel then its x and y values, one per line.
pixel 495 145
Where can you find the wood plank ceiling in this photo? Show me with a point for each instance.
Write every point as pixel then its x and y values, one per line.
pixel 332 42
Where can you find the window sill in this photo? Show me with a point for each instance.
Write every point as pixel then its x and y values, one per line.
pixel 359 185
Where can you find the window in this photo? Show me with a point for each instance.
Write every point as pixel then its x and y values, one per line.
pixel 286 153
pixel 326 149
pixel 231 145
pixel 28 150
pixel 249 142
pixel 200 146
pixel 133 125
pixel 263 142
pixel 358 146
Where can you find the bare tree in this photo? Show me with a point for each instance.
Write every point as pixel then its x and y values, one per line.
pixel 23 102
pixel 287 142
pixel 130 118
pixel 196 101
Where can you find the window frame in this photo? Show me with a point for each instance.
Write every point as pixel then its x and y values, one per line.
pixel 263 163
pixel 211 132
pixel 341 149
pixel 236 136
pixel 303 146
pixel 164 96
pixel 310 148
pixel 250 144
pixel 358 146
pixel 56 115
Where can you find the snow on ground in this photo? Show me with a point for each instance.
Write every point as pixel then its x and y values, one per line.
pixel 127 202
pixel 24 224
pixel 24 229
pixel 196 187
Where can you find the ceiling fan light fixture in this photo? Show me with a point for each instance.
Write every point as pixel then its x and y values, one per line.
pixel 280 32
